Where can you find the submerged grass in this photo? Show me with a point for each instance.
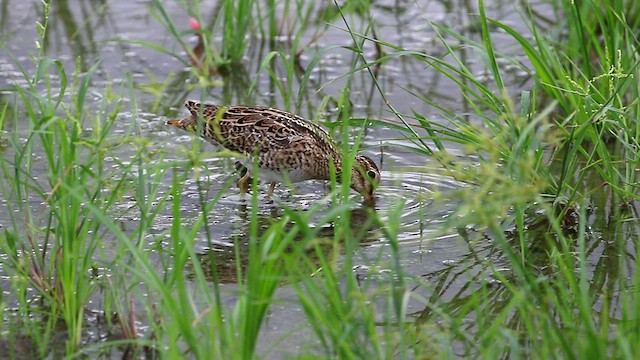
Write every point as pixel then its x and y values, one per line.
pixel 548 168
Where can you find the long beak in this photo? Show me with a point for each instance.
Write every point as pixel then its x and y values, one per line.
pixel 370 200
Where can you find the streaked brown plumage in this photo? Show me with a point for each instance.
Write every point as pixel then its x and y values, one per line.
pixel 284 145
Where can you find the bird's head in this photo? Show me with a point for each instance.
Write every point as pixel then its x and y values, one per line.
pixel 189 123
pixel 365 178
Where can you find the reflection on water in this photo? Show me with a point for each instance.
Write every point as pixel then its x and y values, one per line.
pixel 222 258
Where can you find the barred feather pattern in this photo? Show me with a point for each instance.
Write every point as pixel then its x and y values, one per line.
pixel 283 144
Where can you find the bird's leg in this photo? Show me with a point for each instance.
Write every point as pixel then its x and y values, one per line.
pixel 243 183
pixel 272 186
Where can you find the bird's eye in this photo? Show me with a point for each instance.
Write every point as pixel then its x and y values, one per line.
pixel 371 174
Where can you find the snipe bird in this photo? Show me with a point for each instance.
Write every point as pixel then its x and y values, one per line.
pixel 284 145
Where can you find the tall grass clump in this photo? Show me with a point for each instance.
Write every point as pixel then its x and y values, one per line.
pixel 54 240
pixel 591 75
pixel 189 316
pixel 238 19
pixel 538 163
pixel 234 20
pixel 230 41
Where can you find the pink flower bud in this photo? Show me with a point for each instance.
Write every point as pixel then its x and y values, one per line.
pixel 194 24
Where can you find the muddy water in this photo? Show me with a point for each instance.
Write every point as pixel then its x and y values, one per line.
pixel 106 32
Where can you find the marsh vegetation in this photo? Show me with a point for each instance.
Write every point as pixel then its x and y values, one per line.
pixel 507 135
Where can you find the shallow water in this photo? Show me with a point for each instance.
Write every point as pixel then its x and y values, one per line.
pixel 90 30
pixel 98 31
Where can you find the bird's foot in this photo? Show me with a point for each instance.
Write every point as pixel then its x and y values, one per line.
pixel 243 184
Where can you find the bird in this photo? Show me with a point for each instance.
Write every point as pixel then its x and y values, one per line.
pixel 284 146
